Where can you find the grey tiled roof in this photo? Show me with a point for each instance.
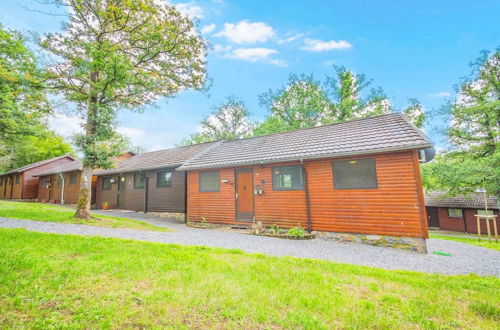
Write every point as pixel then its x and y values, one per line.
pixel 75 165
pixel 32 165
pixel 370 135
pixel 156 159
pixel 472 201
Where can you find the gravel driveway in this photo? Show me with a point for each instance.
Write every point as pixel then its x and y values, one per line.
pixel 465 259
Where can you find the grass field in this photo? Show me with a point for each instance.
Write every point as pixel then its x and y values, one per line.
pixel 60 281
pixel 473 241
pixel 54 213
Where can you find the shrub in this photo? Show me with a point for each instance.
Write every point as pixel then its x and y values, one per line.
pixel 297 231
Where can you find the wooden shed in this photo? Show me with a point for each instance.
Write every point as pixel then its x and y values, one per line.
pixel 22 183
pixel 458 213
pixel 147 182
pixel 360 177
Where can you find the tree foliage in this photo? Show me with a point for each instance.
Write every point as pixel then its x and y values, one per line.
pixel 227 121
pixel 117 54
pixel 304 102
pixel 474 134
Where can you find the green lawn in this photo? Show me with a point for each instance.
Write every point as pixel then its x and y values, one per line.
pixel 54 213
pixel 484 241
pixel 60 281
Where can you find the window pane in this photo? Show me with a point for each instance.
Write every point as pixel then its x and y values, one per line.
pixel 164 179
pixel 288 178
pixel 484 212
pixel 355 174
pixel 17 179
pixel 72 179
pixel 209 181
pixel 106 183
pixel 139 181
pixel 455 213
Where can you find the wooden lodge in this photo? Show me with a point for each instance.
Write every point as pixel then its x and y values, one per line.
pixel 22 183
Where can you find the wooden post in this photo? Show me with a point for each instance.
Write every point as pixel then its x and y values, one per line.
pixel 488 228
pixel 495 227
pixel 478 228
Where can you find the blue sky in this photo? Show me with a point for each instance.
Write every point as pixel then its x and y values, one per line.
pixel 412 49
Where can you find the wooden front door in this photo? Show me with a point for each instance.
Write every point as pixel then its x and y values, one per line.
pixel 244 195
pixel 433 215
pixel 122 184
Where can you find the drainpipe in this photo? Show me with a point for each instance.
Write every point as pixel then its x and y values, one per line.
pixel 62 188
pixel 306 190
pixel 146 192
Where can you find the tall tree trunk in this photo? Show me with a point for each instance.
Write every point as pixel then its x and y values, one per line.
pixel 84 195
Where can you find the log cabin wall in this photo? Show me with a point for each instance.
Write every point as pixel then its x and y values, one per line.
pixel 396 207
pixel 110 196
pixel 31 182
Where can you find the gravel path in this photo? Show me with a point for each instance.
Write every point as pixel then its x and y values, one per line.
pixel 465 259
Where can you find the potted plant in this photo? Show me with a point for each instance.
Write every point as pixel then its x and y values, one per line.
pixel 105 206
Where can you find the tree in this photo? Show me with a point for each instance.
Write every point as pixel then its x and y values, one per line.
pixel 474 164
pixel 299 104
pixel 345 89
pixel 415 113
pixel 118 54
pixel 227 121
pixel 475 114
pixel 23 103
pixel 34 148
pixel 305 102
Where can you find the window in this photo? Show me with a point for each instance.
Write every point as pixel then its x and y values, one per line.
pixel 164 179
pixel 355 174
pixel 44 183
pixel 288 178
pixel 106 183
pixel 72 178
pixel 17 178
pixel 455 213
pixel 484 212
pixel 209 181
pixel 139 181
pixel 58 180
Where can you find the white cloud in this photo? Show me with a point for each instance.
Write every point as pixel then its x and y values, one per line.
pixel 221 48
pixel 208 28
pixel 278 62
pixel 316 45
pixel 133 134
pixel 251 54
pixel 329 63
pixel 190 9
pixel 246 32
pixel 290 38
pixel 256 55
pixel 439 94
pixel 65 125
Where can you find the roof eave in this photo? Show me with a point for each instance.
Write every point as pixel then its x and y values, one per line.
pixel 289 159
pixel 145 169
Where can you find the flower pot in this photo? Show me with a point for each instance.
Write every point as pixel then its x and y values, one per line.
pixel 105 207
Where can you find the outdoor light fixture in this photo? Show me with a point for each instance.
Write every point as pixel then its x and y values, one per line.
pixel 352 162
pixel 112 180
pixel 224 181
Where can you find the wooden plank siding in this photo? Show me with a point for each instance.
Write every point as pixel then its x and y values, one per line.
pixel 394 208
pixel 160 199
pixel 54 191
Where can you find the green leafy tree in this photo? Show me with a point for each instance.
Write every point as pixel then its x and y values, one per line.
pixel 39 147
pixel 23 103
pixel 299 104
pixel 117 54
pixel 227 121
pixel 415 113
pixel 474 135
pixel 345 90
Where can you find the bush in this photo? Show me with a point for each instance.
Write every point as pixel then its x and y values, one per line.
pixel 297 231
